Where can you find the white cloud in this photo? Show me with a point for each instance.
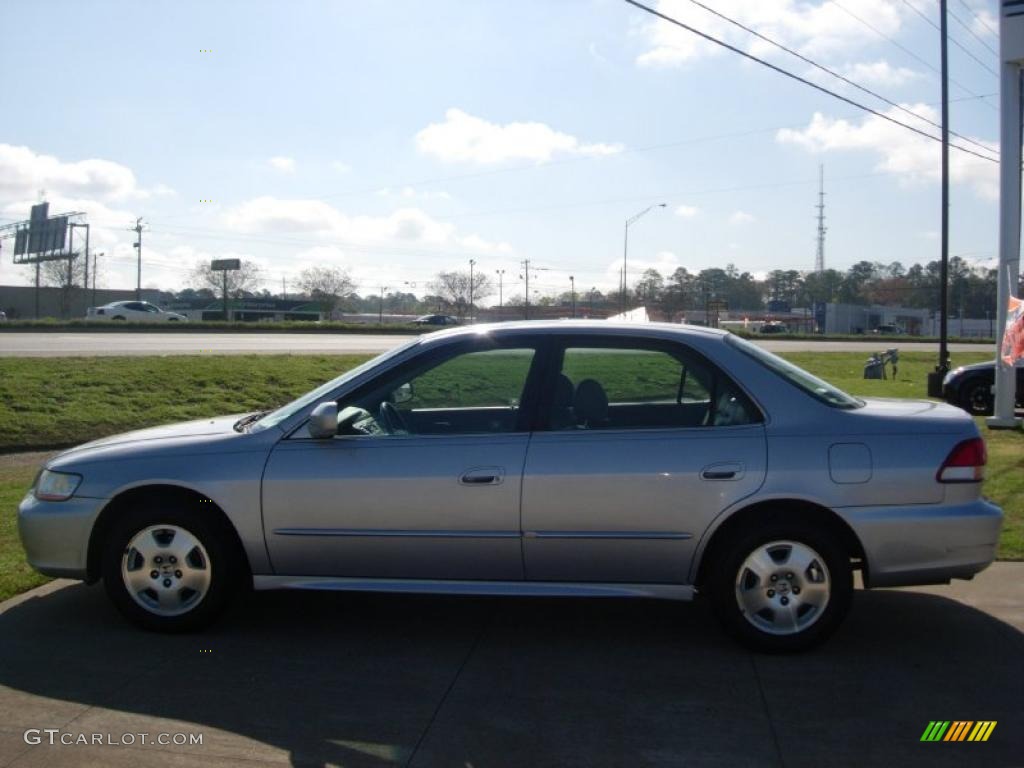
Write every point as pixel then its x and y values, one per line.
pixel 741 217
pixel 880 73
pixel 341 167
pixel 468 139
pixel 283 164
pixel 911 156
pixel 984 23
pixel 686 211
pixel 402 228
pixel 24 172
pixel 811 29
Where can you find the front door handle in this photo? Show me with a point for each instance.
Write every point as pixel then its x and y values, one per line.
pixel 483 476
pixel 722 471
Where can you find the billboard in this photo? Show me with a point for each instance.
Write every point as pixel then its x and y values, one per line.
pixel 43 238
pixel 225 265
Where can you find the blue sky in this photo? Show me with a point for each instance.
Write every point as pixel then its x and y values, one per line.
pixel 397 140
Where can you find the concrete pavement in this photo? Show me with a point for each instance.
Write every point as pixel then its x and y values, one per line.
pixel 17 344
pixel 376 680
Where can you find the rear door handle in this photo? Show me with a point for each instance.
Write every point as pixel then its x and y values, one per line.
pixel 722 471
pixel 483 476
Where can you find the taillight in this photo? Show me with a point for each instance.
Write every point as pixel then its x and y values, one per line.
pixel 965 463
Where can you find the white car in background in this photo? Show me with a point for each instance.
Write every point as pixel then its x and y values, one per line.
pixel 140 311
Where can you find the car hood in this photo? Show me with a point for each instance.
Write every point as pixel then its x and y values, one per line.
pixel 986 366
pixel 220 425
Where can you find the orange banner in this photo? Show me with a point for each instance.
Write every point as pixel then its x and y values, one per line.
pixel 1013 338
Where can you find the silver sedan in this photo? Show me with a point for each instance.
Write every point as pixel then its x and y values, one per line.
pixel 568 458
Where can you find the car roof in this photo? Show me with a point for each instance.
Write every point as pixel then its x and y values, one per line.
pixel 588 327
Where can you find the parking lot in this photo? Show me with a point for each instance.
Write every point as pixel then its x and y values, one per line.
pixel 366 680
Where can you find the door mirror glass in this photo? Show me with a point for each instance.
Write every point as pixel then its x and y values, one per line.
pixel 403 394
pixel 323 421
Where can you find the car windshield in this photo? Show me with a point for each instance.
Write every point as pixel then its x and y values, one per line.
pixel 797 376
pixel 274 418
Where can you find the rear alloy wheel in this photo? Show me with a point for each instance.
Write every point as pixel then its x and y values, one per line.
pixel 168 569
pixel 976 397
pixel 786 588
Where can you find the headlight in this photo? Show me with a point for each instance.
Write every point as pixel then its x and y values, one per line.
pixel 951 375
pixel 56 486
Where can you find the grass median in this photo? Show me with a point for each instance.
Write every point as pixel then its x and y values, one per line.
pixel 50 402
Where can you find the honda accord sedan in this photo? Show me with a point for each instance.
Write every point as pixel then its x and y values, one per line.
pixel 546 458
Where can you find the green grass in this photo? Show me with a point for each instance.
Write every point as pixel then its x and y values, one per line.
pixel 47 402
pixel 15 574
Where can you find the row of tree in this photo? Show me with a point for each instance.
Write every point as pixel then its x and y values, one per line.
pixel 972 289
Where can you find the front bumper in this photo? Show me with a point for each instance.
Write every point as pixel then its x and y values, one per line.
pixel 924 543
pixel 55 534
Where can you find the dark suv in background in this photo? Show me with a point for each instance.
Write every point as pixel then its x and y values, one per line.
pixel 970 387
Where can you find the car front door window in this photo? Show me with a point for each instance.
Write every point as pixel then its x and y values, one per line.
pixel 469 393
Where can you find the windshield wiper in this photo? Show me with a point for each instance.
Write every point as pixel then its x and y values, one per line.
pixel 245 421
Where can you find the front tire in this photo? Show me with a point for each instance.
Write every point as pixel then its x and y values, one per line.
pixel 786 587
pixel 168 567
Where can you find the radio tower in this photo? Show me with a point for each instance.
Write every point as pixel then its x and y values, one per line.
pixel 819 258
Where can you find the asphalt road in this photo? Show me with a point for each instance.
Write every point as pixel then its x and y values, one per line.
pixel 365 680
pixel 107 344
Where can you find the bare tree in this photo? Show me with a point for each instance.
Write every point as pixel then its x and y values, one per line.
pixel 69 278
pixel 326 285
pixel 240 281
pixel 455 289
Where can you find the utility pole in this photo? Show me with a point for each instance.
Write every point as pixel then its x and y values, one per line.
pixel 572 289
pixel 526 302
pixel 224 274
pixel 819 259
pixel 95 269
pixel 137 229
pixel 501 276
pixel 284 287
pixel 380 310
pixel 935 378
pixel 472 263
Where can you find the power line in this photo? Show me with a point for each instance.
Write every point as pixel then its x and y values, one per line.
pixel 951 39
pixel 907 51
pixel 972 33
pixel 832 72
pixel 978 19
pixel 799 79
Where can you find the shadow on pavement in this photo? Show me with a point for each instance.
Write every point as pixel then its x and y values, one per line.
pixel 367 680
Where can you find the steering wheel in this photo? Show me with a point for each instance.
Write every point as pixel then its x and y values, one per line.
pixel 392 418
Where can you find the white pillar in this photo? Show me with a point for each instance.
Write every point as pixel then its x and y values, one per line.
pixel 1009 210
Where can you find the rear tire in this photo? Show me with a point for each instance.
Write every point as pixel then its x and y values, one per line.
pixel 976 397
pixel 169 567
pixel 118 317
pixel 782 588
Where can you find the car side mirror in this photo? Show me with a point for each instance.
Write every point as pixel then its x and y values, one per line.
pixel 323 421
pixel 403 394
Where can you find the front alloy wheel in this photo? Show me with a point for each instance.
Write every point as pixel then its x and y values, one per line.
pixel 785 587
pixel 166 570
pixel 170 567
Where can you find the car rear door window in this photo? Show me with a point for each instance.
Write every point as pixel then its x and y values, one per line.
pixel 619 387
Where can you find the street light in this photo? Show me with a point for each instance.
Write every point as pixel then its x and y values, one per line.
pixel 572 285
pixel 625 246
pixel 380 309
pixel 472 263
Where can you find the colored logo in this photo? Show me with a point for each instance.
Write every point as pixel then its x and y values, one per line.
pixel 958 730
